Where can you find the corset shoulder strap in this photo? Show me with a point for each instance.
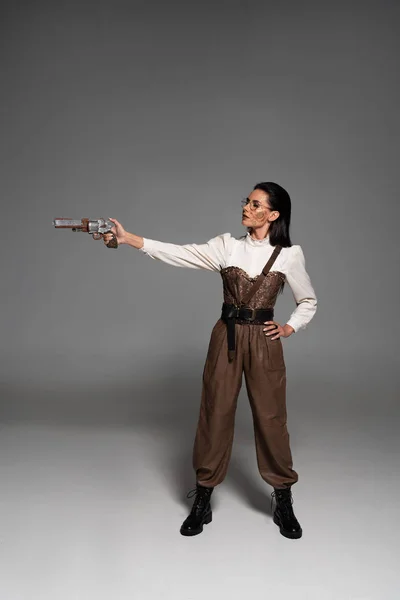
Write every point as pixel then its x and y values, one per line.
pixel 261 277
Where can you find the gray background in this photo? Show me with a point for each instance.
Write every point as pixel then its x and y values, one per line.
pixel 164 115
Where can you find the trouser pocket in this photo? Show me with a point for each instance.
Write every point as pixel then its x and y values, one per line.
pixel 276 359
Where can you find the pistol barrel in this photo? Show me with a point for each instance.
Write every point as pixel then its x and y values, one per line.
pixel 67 223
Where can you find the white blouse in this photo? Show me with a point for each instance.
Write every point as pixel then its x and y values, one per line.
pixel 251 255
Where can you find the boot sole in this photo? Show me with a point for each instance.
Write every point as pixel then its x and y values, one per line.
pixel 293 535
pixel 206 521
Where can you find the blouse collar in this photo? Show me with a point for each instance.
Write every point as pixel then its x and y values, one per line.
pixel 253 242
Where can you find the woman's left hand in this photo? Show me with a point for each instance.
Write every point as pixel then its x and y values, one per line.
pixel 276 331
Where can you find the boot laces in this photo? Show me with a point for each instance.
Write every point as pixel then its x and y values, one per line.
pixel 202 497
pixel 284 499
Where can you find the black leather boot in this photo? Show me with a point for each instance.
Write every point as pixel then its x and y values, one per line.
pixel 201 511
pixel 283 515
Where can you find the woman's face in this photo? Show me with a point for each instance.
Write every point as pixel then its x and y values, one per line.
pixel 257 212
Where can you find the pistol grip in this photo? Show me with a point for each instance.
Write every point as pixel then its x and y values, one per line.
pixel 113 243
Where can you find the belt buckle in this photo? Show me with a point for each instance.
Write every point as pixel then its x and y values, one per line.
pixel 253 314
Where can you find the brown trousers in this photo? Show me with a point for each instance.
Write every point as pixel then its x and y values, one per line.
pixel 262 361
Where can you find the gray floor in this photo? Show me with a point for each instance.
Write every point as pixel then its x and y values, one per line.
pixel 91 505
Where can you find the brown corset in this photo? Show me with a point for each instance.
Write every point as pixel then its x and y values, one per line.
pixel 236 283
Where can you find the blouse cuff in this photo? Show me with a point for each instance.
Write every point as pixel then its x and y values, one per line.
pixel 296 324
pixel 147 245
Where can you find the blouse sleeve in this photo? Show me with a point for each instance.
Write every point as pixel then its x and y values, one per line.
pixel 303 291
pixel 210 256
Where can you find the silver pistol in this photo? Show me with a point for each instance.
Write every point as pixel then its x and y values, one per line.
pixel 95 227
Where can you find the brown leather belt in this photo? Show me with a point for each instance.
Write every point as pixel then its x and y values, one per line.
pixel 232 314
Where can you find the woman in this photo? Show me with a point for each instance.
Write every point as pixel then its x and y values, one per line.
pixel 246 340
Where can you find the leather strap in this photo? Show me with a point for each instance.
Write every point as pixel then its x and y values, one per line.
pixel 261 276
pixel 230 313
pixel 257 315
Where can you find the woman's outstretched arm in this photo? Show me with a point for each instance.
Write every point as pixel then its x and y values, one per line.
pixel 210 256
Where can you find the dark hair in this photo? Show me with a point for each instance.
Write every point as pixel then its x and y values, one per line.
pixel 278 230
pixel 279 200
